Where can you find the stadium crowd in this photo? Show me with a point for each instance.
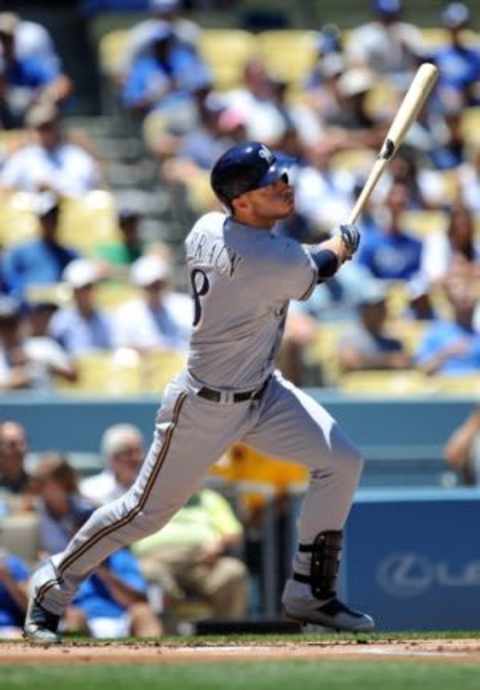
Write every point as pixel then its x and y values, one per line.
pixel 81 309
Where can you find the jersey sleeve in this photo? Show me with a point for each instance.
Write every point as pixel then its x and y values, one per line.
pixel 294 273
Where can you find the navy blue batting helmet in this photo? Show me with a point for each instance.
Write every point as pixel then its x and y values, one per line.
pixel 244 168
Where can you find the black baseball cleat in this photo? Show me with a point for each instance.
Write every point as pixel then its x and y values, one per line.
pixel 332 614
pixel 40 625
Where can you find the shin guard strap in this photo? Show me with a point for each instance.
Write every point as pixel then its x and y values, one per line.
pixel 324 563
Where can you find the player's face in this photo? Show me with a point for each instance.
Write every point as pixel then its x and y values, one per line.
pixel 268 204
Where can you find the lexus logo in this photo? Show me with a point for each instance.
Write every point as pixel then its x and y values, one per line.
pixel 409 574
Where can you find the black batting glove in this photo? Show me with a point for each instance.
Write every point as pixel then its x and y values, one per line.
pixel 350 237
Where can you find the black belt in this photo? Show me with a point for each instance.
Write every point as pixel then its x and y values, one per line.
pixel 216 396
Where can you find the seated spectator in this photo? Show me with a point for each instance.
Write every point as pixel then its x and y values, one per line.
pixel 33 42
pixel 39 261
pixel 112 602
pixel 469 182
pixel 165 77
pixel 160 318
pixel 189 556
pixel 390 253
pixel 186 32
pixel 367 345
pixel 14 575
pixel 386 45
pixel 39 344
pixel 457 249
pixel 27 362
pixel 122 453
pixel 129 248
pixel 28 79
pixel 81 327
pixel 323 92
pixel 14 478
pixel 52 161
pixel 462 450
pixel 452 346
pixel 458 63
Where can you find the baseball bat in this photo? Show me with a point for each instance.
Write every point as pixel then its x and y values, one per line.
pixel 411 105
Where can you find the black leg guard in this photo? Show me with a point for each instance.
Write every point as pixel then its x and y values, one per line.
pixel 324 565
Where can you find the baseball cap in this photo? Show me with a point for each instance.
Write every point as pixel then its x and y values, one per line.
pixel 246 167
pixel 455 15
pixel 149 269
pixel 387 6
pixel 81 272
pixel 355 81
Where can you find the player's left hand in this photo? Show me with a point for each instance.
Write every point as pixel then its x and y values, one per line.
pixel 350 236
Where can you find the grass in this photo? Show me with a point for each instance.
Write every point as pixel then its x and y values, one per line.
pixel 265 675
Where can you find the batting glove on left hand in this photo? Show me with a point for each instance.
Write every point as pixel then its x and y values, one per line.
pixel 350 236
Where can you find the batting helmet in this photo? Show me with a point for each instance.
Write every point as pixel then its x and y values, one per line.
pixel 244 168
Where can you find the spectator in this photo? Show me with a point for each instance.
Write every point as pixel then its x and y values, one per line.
pixel 27 362
pixel 390 253
pixel 160 318
pixel 188 556
pixel 81 327
pixel 33 42
pixel 459 64
pixel 129 248
pixel 469 182
pixel 13 452
pixel 39 344
pixel 386 45
pixel 14 575
pixel 367 345
pixel 112 602
pixel 462 450
pixel 323 93
pixel 40 261
pixel 166 77
pixel 52 162
pixel 454 250
pixel 452 346
pixel 122 452
pixel 28 79
pixel 186 32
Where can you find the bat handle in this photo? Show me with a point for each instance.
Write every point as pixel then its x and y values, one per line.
pixel 367 190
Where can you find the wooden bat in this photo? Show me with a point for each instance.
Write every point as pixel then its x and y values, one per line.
pixel 411 105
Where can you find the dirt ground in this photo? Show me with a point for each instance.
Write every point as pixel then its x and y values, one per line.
pixel 116 653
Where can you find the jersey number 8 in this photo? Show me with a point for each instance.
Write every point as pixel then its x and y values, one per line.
pixel 200 287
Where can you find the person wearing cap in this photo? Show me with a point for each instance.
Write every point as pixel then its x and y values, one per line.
pixel 459 64
pixel 160 318
pixel 33 42
pixel 386 45
pixel 166 76
pixel 28 79
pixel 40 261
pixel 81 327
pixel 51 161
pixel 186 32
pixel 367 345
pixel 389 252
pixel 28 361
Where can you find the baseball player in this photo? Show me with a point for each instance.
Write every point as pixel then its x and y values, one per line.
pixel 242 277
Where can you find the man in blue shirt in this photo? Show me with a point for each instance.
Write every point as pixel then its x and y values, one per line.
pixel 40 261
pixel 453 347
pixel 459 65
pixel 81 327
pixel 167 75
pixel 14 576
pixel 390 253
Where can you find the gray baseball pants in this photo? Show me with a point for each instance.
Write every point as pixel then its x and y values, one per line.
pixel 191 433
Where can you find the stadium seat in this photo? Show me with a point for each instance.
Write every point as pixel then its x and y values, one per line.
pixel 468 384
pixel 423 222
pixel 112 294
pixel 106 373
pixel 358 161
pixel 17 221
pixel 289 54
pixel 323 351
pixel 471 125
pixel 158 367
pixel 226 51
pixel 112 50
pixel 435 37
pixel 88 221
pixel 390 383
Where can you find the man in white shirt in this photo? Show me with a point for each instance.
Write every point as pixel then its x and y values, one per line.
pixel 51 162
pixel 159 318
pixel 122 450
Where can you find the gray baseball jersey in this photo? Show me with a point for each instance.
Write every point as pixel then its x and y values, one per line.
pixel 242 279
